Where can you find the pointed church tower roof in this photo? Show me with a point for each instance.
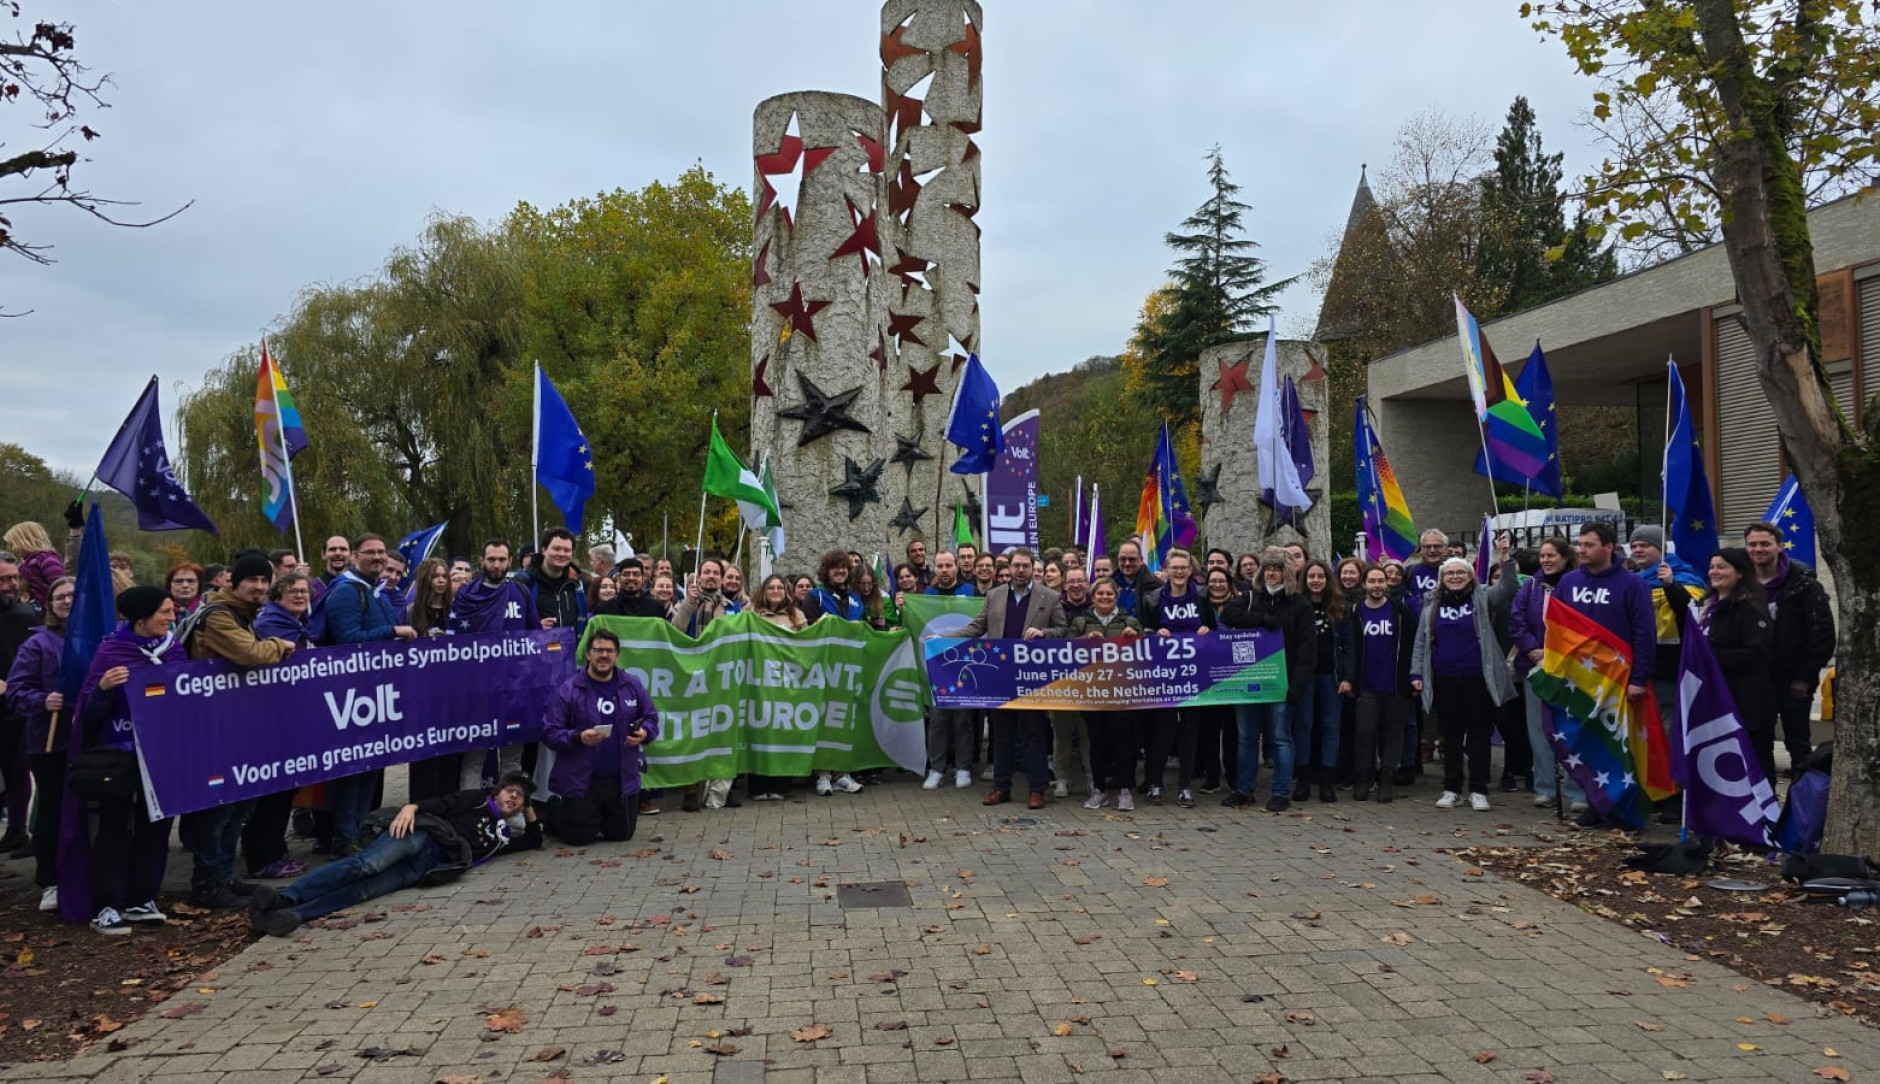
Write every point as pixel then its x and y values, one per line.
pixel 1336 311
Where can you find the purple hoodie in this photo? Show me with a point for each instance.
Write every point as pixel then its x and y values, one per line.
pixel 575 707
pixel 1527 623
pixel 107 715
pixel 1622 603
pixel 35 675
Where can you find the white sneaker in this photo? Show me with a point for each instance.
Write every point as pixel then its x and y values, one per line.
pixel 1448 800
pixel 985 774
pixel 1578 807
pixel 1061 789
pixel 847 784
pixel 1542 801
pixel 110 923
pixel 145 912
pixel 963 778
pixel 823 785
pixel 49 899
pixel 932 782
pixel 1478 802
pixel 1097 800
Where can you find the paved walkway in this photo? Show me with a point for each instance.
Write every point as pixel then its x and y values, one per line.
pixel 1332 943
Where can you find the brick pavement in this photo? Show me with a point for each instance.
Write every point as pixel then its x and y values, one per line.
pixel 1037 947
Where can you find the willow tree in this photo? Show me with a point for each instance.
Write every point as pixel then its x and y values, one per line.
pixel 1751 101
pixel 406 383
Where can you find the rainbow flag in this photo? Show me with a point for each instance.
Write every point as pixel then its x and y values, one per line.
pixel 280 438
pixel 1514 439
pixel 1388 529
pixel 1619 757
pixel 1163 518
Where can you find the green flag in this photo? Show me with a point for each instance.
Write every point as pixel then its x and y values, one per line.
pixel 727 476
pixel 962 533
pixel 774 511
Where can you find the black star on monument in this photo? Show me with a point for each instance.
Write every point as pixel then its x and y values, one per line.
pixel 907 452
pixel 859 486
pixel 822 414
pixel 971 501
pixel 908 517
pixel 1210 483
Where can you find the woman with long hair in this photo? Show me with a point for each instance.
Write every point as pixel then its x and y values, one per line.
pixel 775 603
pixel 1112 734
pixel 1317 716
pixel 1458 667
pixel 869 589
pixel 1527 624
pixel 1734 617
pixel 431 592
pixel 32 694
pixel 40 564
pixel 1376 677
pixel 602 588
pixel 1216 740
pixel 1174 609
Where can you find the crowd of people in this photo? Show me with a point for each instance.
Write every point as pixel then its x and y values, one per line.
pixel 1386 662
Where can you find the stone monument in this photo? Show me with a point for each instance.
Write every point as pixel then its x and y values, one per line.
pixel 1226 495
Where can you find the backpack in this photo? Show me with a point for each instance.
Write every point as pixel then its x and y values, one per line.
pixel 1805 813
pixel 186 631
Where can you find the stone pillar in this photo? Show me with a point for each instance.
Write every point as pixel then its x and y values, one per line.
pixel 931 96
pixel 821 398
pixel 1226 496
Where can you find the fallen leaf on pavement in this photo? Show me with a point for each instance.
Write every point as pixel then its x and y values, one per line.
pixel 1538 1076
pixel 509 1020
pixel 1483 1057
pixel 809 1033
pixel 1833 1072
pixel 1399 939
pixel 1647 1025
pixel 1748 1048
pixel 549 1053
pixel 721 856
pixel 1302 1016
pixel 1157 882
pixel 1061 1030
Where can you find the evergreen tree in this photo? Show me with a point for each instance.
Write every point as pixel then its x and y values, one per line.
pixel 1216 295
pixel 1526 247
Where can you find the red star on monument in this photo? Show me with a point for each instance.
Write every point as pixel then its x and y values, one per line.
pixel 969 47
pixel 864 243
pixel 759 386
pixel 893 48
pixel 798 314
pixel 922 384
pixel 790 155
pixel 760 275
pixel 905 109
pixel 872 156
pixel 1232 381
pixel 901 326
pixel 912 271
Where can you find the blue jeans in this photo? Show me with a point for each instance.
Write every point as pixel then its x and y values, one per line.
pixel 214 837
pixel 1544 755
pixel 350 800
pixel 386 866
pixel 1274 722
pixel 1319 708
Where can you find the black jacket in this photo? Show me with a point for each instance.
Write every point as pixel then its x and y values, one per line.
pixel 462 825
pixel 1741 637
pixel 1803 622
pixel 563 599
pixel 1351 664
pixel 623 605
pixel 1290 616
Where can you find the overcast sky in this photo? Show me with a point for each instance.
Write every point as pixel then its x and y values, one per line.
pixel 315 137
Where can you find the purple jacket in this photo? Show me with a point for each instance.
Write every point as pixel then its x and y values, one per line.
pixel 37 572
pixel 1527 623
pixel 35 676
pixel 107 715
pixel 1621 602
pixel 576 706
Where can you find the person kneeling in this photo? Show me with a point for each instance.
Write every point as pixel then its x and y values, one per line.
pixel 429 842
pixel 598 723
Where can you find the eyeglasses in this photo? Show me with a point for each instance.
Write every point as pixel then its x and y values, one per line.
pixel 67 597
pixel 298 591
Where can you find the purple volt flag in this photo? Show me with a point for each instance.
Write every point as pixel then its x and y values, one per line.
pixel 1012 488
pixel 1725 792
pixel 336 711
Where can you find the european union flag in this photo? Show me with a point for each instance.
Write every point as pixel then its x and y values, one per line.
pixel 564 464
pixel 974 423
pixel 1688 502
pixel 137 465
pixel 94 613
pixel 1791 513
pixel 417 546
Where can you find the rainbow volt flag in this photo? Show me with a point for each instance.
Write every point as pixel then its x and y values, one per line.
pixel 1163 517
pixel 1388 529
pixel 280 438
pixel 1621 759
pixel 1513 439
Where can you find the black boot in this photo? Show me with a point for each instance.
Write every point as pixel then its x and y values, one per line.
pixel 213 894
pixel 1327 793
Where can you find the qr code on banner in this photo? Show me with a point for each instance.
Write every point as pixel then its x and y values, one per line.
pixel 1244 651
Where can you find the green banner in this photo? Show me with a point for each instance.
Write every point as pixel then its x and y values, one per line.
pixel 944 613
pixel 750 697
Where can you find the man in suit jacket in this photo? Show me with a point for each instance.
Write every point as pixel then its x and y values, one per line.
pixel 1020 609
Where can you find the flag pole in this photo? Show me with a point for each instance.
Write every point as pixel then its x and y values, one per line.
pixel 698 548
pixel 665 530
pixel 1664 461
pixel 535 459
pixel 1494 501
pixel 280 431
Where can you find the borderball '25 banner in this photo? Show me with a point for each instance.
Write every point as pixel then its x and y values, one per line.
pixel 1237 666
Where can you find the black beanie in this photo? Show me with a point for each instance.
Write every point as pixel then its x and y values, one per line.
pixel 138 603
pixel 250 565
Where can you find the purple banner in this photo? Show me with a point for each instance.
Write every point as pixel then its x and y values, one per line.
pixel 1012 488
pixel 209 733
pixel 1725 792
pixel 1233 666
